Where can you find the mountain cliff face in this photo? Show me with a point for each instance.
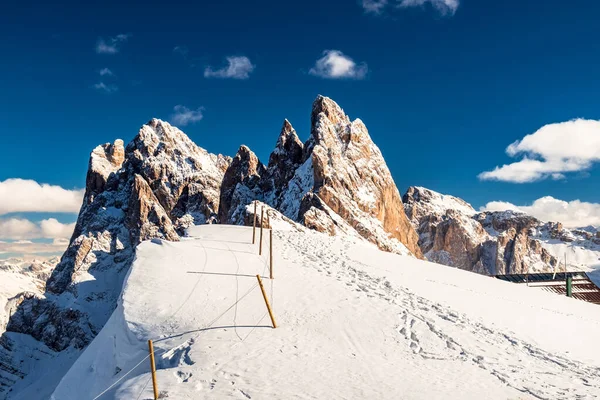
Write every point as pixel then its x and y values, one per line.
pixel 451 232
pixel 153 188
pixel 161 183
pixel 337 182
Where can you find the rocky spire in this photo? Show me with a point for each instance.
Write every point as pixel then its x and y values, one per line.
pixel 245 170
pixel 104 160
pixel 353 180
pixel 283 162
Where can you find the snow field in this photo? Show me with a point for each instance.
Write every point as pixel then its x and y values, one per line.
pixel 353 322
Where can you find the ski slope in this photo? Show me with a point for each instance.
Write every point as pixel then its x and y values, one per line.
pixel 353 323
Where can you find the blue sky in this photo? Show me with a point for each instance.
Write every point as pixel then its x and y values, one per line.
pixel 444 87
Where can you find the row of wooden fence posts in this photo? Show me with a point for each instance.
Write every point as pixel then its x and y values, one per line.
pixel 260 245
pixel 262 289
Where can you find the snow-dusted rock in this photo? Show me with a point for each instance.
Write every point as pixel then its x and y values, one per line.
pixel 352 179
pixel 240 182
pixel 161 181
pixel 18 279
pixel 170 162
pixel 283 163
pixel 337 182
pixel 105 160
pixel 420 202
pixel 451 232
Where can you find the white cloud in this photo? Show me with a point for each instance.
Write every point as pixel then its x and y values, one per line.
pixel 374 6
pixel 237 68
pixel 551 152
pixel 110 88
pixel 23 195
pixel 183 116
pixel 571 214
pixel 112 45
pixel 335 65
pixel 52 229
pixel 444 7
pixel 181 50
pixel 14 228
pixel 23 229
pixel 106 72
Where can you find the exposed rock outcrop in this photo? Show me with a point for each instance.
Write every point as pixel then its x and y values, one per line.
pixel 337 182
pixel 451 232
pixel 243 174
pixel 283 163
pixel 159 183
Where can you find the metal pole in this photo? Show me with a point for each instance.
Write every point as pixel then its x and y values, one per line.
pixel 153 369
pixel 569 286
pixel 262 289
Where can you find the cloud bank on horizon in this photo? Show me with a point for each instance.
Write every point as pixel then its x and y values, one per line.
pixel 572 214
pixel 551 152
pixel 25 195
pixel 29 196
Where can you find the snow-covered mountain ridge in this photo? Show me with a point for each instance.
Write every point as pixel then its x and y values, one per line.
pixel 353 322
pixel 161 183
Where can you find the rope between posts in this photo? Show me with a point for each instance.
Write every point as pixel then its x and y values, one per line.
pixel 210 324
pixel 160 352
pixel 121 378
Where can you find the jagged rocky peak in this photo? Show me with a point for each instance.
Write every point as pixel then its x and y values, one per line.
pixel 351 177
pixel 169 161
pixel 159 183
pixel 324 107
pixel 104 160
pixel 337 182
pixel 243 173
pixel 283 162
pixel 288 150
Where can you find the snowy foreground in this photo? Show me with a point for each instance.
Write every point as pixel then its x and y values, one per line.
pixel 354 323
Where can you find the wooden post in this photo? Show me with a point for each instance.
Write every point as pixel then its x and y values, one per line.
pixel 271 253
pixel 153 369
pixel 254 225
pixel 262 289
pixel 569 286
pixel 262 209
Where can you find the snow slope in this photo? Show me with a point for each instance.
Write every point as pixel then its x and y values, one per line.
pixel 354 322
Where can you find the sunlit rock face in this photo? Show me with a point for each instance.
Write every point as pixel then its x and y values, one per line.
pixel 451 232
